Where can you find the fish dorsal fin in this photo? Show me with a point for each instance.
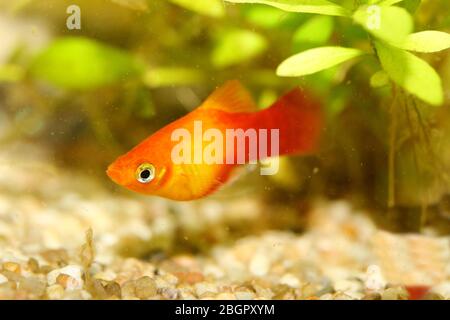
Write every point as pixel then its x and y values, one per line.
pixel 230 97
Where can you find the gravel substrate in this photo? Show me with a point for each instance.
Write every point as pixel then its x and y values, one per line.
pixel 62 236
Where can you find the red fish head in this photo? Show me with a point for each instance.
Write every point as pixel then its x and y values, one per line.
pixel 137 173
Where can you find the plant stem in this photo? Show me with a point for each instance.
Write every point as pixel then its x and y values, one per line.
pixel 420 173
pixel 392 147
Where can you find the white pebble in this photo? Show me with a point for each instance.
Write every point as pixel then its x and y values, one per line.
pixel 259 265
pixel 73 271
pixel 290 280
pixel 204 287
pixel 374 279
pixel 244 295
pixel 214 271
pixel 350 288
pixel 225 296
pixel 3 279
pixel 345 285
pixel 442 289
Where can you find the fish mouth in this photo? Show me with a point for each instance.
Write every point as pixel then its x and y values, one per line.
pixel 114 173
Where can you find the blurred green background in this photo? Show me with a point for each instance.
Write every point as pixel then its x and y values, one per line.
pixel 88 95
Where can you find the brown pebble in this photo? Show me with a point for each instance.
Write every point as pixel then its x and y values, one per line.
pixel 309 290
pixel 33 285
pixel 112 288
pixel 129 289
pixel 288 295
pixel 97 289
pixel 11 285
pixel 194 277
pixel 56 256
pixel 433 296
pixel 12 276
pixel 145 288
pixel 45 269
pixel 33 265
pixel 189 277
pixel 55 292
pixel 372 296
pixel 63 280
pixel 11 266
pixel 395 293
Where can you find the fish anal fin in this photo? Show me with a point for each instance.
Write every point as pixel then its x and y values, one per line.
pixel 230 97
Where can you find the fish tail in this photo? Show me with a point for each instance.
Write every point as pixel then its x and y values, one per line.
pixel 299 119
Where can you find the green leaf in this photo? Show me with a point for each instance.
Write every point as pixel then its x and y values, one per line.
pixel 427 41
pixel 389 2
pixel 267 98
pixel 82 63
pixel 314 60
pixel 316 30
pixel 144 104
pixel 237 46
pixel 411 73
pixel 379 79
pixel 268 17
pixel 11 73
pixel 139 5
pixel 391 24
pixel 410 5
pixel 172 76
pixel 212 8
pixel 337 101
pixel 306 6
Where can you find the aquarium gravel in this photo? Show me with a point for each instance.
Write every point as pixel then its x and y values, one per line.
pixel 70 238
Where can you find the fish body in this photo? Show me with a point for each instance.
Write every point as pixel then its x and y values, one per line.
pixel 295 117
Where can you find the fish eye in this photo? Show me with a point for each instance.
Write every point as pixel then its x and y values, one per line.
pixel 145 173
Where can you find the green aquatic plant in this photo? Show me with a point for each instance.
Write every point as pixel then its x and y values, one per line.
pixel 82 63
pixel 389 28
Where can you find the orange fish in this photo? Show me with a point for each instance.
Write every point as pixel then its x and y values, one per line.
pixel 294 124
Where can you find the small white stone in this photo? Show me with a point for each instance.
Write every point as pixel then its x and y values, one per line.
pixel 347 286
pixel 85 295
pixel 187 296
pixel 326 296
pixel 203 287
pixel 443 289
pixel 374 279
pixel 290 280
pixel 73 284
pixel 213 270
pixel 3 279
pixel 225 296
pixel 259 265
pixel 171 279
pixel 263 292
pixel 73 271
pixel 244 295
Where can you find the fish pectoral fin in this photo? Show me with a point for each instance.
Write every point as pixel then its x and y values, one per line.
pixel 231 97
pixel 231 176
